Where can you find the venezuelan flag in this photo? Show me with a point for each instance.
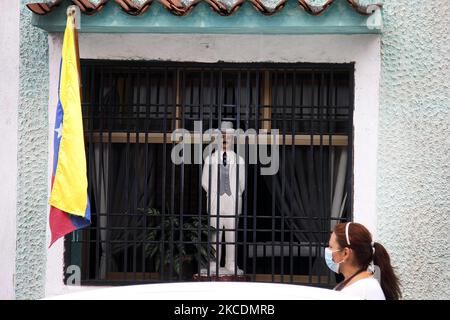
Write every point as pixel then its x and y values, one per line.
pixel 69 203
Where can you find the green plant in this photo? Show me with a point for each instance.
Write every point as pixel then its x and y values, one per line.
pixel 180 244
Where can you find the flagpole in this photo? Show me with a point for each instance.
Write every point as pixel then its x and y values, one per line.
pixel 74 12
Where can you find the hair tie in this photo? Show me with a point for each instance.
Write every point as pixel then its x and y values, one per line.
pixel 371 267
pixel 346 233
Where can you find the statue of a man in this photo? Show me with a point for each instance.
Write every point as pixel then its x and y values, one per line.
pixel 225 202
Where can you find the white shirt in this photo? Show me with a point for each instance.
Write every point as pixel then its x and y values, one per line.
pixel 367 289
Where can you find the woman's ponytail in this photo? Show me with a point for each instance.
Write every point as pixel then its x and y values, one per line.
pixel 389 281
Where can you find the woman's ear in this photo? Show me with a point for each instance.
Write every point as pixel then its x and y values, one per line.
pixel 347 252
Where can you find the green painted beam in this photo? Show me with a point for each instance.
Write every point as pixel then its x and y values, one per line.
pixel 340 18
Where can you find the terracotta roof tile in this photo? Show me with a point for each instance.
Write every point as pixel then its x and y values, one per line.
pixel 42 8
pixel 182 8
pixel 223 7
pixel 90 7
pixel 178 7
pixel 364 9
pixel 264 9
pixel 314 9
pixel 133 8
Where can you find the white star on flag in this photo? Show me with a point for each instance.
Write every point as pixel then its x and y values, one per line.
pixel 59 130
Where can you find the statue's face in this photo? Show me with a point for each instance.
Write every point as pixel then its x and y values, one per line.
pixel 226 141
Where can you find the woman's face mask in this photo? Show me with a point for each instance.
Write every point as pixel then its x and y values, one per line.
pixel 334 266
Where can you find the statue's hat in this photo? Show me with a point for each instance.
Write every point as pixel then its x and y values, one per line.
pixel 227 127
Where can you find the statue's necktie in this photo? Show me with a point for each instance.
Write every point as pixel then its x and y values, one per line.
pixel 224 159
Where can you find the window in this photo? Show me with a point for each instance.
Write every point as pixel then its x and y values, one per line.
pixel 150 216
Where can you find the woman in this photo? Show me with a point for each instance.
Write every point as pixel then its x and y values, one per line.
pixel 352 253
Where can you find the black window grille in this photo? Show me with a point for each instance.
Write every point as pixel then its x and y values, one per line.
pixel 150 220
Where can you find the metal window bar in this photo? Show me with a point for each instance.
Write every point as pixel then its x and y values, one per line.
pixel 282 229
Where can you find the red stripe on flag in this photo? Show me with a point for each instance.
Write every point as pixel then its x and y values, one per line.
pixel 60 224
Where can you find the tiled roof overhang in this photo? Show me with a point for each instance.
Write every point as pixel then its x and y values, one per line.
pixel 211 16
pixel 182 8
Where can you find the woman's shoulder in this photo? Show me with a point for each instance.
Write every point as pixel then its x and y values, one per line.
pixel 366 288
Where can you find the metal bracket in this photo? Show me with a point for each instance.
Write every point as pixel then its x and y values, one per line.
pixel 74 12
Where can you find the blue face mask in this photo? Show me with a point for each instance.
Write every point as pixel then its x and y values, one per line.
pixel 334 266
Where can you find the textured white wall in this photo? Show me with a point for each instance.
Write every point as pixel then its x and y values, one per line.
pixel 32 159
pixel 9 99
pixel 413 188
pixel 364 50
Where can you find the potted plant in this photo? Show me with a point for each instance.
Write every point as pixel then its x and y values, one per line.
pixel 181 247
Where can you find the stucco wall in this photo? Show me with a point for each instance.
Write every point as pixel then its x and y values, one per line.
pixel 413 189
pixel 32 160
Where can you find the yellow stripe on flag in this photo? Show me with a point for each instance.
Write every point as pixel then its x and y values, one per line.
pixel 69 191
